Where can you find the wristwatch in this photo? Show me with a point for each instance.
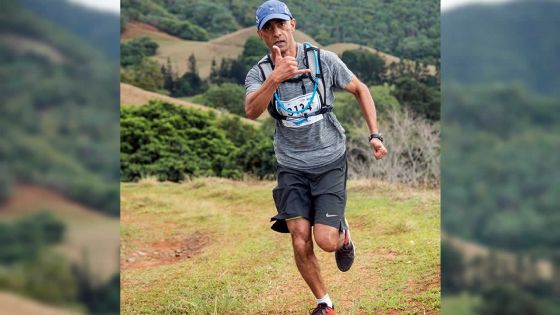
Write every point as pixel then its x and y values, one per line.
pixel 376 136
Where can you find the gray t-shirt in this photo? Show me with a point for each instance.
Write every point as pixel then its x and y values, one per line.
pixel 318 143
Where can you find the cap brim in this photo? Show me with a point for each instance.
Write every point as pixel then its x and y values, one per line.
pixel 273 16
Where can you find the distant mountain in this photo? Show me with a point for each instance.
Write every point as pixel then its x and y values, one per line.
pixel 98 28
pixel 404 28
pixel 59 118
pixel 516 41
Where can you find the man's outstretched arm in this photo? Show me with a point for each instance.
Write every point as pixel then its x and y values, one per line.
pixel 363 96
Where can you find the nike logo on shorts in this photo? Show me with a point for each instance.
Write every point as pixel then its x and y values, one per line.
pixel 331 215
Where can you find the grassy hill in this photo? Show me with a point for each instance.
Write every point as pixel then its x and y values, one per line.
pixel 499 44
pixel 339 48
pixel 131 95
pixel 226 46
pixel 205 247
pixel 89 232
pixel 53 136
pixel 404 28
pixel 13 304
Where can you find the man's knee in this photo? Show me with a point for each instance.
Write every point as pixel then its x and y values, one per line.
pixel 327 241
pixel 300 229
pixel 302 244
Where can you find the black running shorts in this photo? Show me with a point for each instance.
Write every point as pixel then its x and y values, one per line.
pixel 317 194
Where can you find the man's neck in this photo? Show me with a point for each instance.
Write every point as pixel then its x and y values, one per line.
pixel 292 52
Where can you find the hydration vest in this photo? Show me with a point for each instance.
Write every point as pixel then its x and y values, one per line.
pixel 311 53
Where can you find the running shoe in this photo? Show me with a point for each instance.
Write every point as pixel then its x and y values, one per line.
pixel 345 255
pixel 323 309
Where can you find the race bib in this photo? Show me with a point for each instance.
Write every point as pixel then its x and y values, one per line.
pixel 294 110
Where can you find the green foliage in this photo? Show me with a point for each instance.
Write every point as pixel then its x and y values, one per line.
pixel 420 98
pixel 48 278
pixel 452 268
pixel 131 55
pixel 256 151
pixel 188 84
pixel 499 121
pixel 24 238
pixel 96 28
pixel 146 75
pixel 212 17
pixel 404 28
pixel 183 29
pixel 227 96
pixel 173 143
pixel 511 52
pixel 27 264
pixel 98 298
pixel 501 299
pixel 135 50
pixel 235 70
pixel 367 66
pixel 348 110
pixel 253 50
pixel 53 136
pixel 5 184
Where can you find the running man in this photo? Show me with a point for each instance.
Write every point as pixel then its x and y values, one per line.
pixel 295 83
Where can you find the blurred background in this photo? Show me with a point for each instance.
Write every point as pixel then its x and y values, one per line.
pixel 59 127
pixel 500 144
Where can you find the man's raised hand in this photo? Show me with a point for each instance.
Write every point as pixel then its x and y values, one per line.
pixel 285 67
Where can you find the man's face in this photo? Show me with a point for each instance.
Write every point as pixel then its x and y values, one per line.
pixel 278 32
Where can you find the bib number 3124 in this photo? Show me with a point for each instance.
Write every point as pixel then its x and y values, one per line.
pixel 294 111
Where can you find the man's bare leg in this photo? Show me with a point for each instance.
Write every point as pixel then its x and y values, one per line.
pixel 306 262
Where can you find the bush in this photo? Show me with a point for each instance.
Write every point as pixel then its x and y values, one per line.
pixel 413 145
pixel 256 151
pixel 367 66
pixel 173 143
pixel 228 96
pixel 419 98
pixel 146 75
pixel 26 237
pixel 183 29
pixel 135 50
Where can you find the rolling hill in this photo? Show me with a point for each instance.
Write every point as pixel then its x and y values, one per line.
pixel 89 232
pixel 13 304
pixel 131 95
pixel 226 46
pixel 514 42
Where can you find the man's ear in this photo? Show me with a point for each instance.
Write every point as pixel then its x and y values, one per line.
pixel 293 23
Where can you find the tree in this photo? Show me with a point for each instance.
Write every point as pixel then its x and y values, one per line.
pixel 191 64
pixel 367 66
pixel 420 98
pixel 228 96
pixel 190 83
pixel 146 75
pixel 169 77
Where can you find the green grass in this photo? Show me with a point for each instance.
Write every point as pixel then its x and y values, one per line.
pixel 460 304
pixel 243 267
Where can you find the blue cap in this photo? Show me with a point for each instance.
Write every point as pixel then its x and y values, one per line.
pixel 272 9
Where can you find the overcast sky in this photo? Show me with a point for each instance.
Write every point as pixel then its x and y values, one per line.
pixel 114 5
pixel 451 4
pixel 107 5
